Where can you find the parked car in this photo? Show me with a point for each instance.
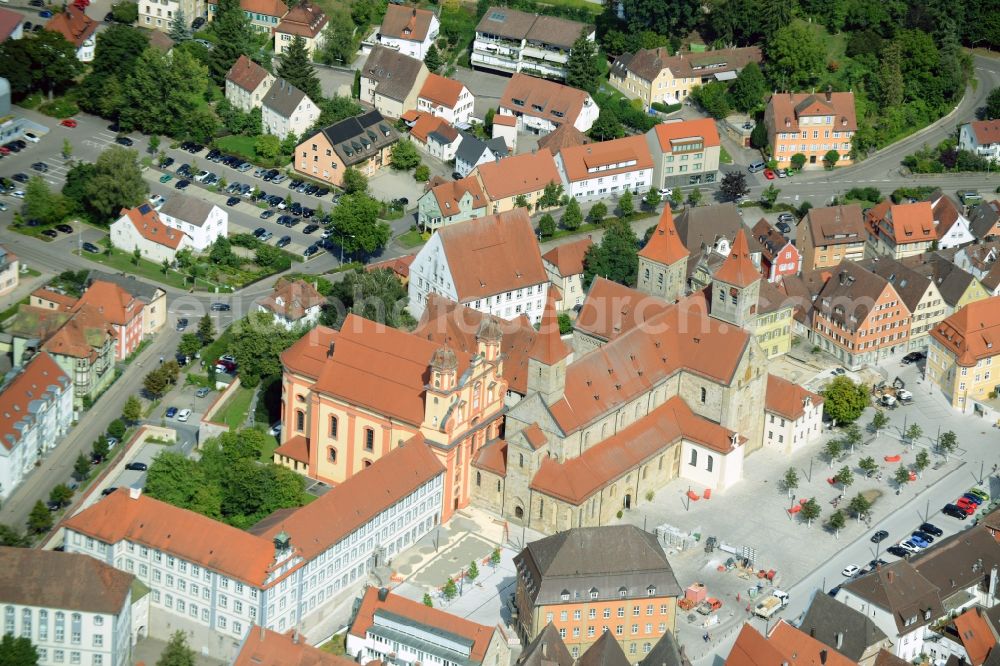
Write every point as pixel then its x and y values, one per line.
pixel 244 167
pixel 897 551
pixel 124 141
pixel 220 307
pixel 20 177
pixel 928 538
pixel 768 174
pixel 851 570
pixel 203 391
pixel 918 541
pixel 879 536
pixel 266 214
pixel 67 122
pixel 183 415
pixel 108 491
pixel 954 512
pixel 913 357
pixel 181 184
pixel 31 136
pixel 137 466
pixel 41 167
pixel 182 323
pixel 171 412
pixel 65 228
pixel 197 22
pixel 266 237
pixel 165 178
pixel 90 247
pixel 310 228
pixel 284 241
pixel 232 201
pixel 167 161
pixel 931 528
pixel 50 233
pixel 912 545
pixel 782 173
pixel 783 227
pixel 310 251
pixel 974 499
pixel 981 494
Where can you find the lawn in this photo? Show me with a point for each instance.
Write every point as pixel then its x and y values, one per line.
pixel 217 348
pixel 123 262
pixel 593 8
pixel 12 310
pixel 411 239
pixel 267 455
pixel 243 146
pixel 234 412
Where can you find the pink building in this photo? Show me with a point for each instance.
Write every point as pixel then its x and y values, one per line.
pixel 122 310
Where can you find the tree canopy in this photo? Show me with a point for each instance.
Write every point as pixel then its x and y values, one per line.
pixel 17 651
pixel 40 61
pixel 233 38
pixel 257 343
pixel 114 182
pixel 674 18
pixel 615 257
pixel 844 400
pixel 375 295
pixel 582 70
pixel 356 224
pixel 295 66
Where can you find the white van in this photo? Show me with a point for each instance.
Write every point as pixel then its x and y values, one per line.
pixel 754 167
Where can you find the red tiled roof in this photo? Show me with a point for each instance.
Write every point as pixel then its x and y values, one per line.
pixel 549 347
pixel 904 223
pixel 81 336
pixel 787 399
pixel 398 265
pixel 114 303
pixel 752 649
pixel 320 524
pixel 738 268
pixel 972 333
pixel 976 636
pixel 564 136
pixel 505 120
pixel 442 91
pixel 669 133
pixel 9 20
pixel 987 131
pixel 30 384
pixel 578 478
pixel 665 245
pixel 614 157
pixel 73 24
pixel 560 104
pixel 296 448
pixel 305 20
pixel 534 436
pixel 785 109
pixel 427 123
pixel 404 22
pixel 147 222
pixel 264 647
pixel 492 458
pixel 68 581
pixel 307 356
pixel 291 299
pixel 419 614
pixel 266 7
pixel 518 174
pixel 611 309
pixel 64 301
pixel 568 257
pixel 449 194
pixel 185 534
pixel 801 649
pixel 246 74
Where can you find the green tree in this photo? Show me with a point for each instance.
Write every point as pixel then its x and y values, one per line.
pixel 155 383
pixel 354 181
pixel 607 126
pixel 41 61
pixel 652 198
pixel 17 651
pixel 179 29
pixel 550 195
pixel 868 465
pixel 625 205
pixel 117 428
pixel 428 601
pixel 375 295
pixel 100 447
pixel 810 511
pixel 993 105
pixel 712 97
pixel 795 57
pixel 845 477
pixel 339 45
pixel 125 12
pixel 521 201
pixel 190 344
pixel 132 409
pixel 853 436
pixel 879 420
pixel 582 70
pixel 234 37
pixel 472 573
pixel 495 557
pixel 572 217
pixel 790 481
pixel 546 226
pixel 758 136
pixel 889 81
pixel 748 90
pixel 901 476
pixel 136 256
pixel 832 450
pixel 40 518
pixel 694 196
pixel 81 468
pixel 356 220
pixel 43 204
pixel 565 324
pixel 676 197
pixel 67 149
pixel 295 67
pixel 267 146
pixel 859 506
pixel 773 14
pixel 177 652
pixel 836 521
pixel 769 196
pixel 615 257
pixel 913 433
pixel 61 495
pixel 734 185
pixel 116 183
pixel 433 59
pixel 206 329
pixel 831 158
pixel 923 461
pixel 798 161
pixel 257 343
pixel 674 18
pixel 450 590
pixel 404 156
pixel 422 173
pixel 843 400
pixel 947 443
pixel 597 213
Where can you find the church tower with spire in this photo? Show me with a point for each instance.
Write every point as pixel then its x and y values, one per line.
pixel 736 286
pixel 548 356
pixel 663 261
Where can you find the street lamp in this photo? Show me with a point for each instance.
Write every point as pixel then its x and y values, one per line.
pixel 342 236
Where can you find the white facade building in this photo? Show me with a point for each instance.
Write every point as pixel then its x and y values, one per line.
pixel 981 137
pixel 36 402
pixel 409 30
pixel 292 303
pixel 201 220
pixel 599 170
pixel 287 110
pixel 793 416
pixel 510 41
pixel 446 98
pixel 141 229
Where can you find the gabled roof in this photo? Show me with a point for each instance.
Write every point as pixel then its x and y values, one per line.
pixel 9 20
pixel 266 7
pixel 73 24
pixel 835 225
pixel 428 125
pixel 25 393
pixel 246 74
pixel 546 649
pixel 394 73
pixel 114 303
pixel 492 255
pixel 146 222
pixel 568 257
pixel 405 22
pixel 144 291
pixel 848 631
pixel 65 581
pixel 606 651
pixel 772 242
pixel 358 138
pixel 450 193
pixel 562 137
pixel 959 561
pixel 441 90
pixel 951 281
pixel 901 591
pixel 64 301
pixel 305 20
pixel 987 132
pixel 801 649
pixel 752 649
pixel 788 399
pixel 853 285
pixel 283 98
pixel 945 211
pixel 83 334
pixel 784 110
pixel 683 132
pixel 666 652
pixel 984 218
pixel 472 148
pixel 611 309
pixel 908 283
pixel 292 299
pixel 972 333
pixel 514 24
pixel 975 634
pixel 706 224
pixel 423 616
pixel 549 347
pixel 738 269
pixel 903 223
pixel 648 63
pixel 264 647
pixel 555 102
pixel 613 157
pixel 520 174
pixel 307 356
pixel 193 210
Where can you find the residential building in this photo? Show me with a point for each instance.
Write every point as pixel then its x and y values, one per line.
pixel 969 638
pixel 830 235
pixel 123 312
pixel 653 75
pixel 505 127
pixel 473 151
pixel 957 287
pixel 564 136
pixel 610 310
pixel 391 81
pixel 564 266
pixel 10 271
pixel 388 627
pixel 153 298
pixel 811 124
pixel 284 572
pixel 304 20
pixel 202 221
pixel 286 110
pixel 540 105
pixel 492 264
pixel 264 15
pixel 596 170
pixel 520 179
pixel 981 137
pixel 161 42
pixel 52 298
pixel 844 629
pixel 617 572
pixel 11 24
pixel 985 220
pixel 446 98
pixel 512 41
pixel 159 14
pixel 919 294
pixel 36 406
pixel 900 230
pixel 786 643
pixel 73 609
pixel 859 317
pixel 140 229
pixel 264 646
pixel 663 261
pixel 708 232
pixel 363 142
pixel 409 30
pixel 352 397
pixel 773 322
pixel 451 202
pixel 961 352
pixel 78 29
pixel 953 228
pixel 292 303
pixel 779 256
pixel 247 83
pixel 84 347
pixel 434 135
pixel 684 152
pixel 793 416
pixel 399 266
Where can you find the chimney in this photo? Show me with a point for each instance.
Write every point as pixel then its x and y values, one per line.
pixel 135 493
pixel 295 636
pixel 890 576
pixel 840 640
pixel 843 278
pixel 383 593
pixel 822 656
pixel 829 93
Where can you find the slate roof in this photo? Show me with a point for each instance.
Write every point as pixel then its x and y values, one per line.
pixel 138 288
pixel 908 283
pixel 952 282
pixel 356 139
pixel 983 217
pixel 606 651
pixel 666 652
pixel 852 285
pixel 394 73
pixel 546 649
pixel 901 591
pixel 472 148
pixel 283 98
pixel 187 209
pixel 844 629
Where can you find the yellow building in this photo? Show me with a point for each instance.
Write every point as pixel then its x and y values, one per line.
pixel 772 324
pixel 504 181
pixel 961 353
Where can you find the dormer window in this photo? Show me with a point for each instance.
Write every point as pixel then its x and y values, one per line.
pixel 593 593
pixel 651 590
